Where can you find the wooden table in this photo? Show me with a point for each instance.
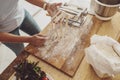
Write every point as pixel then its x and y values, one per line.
pixel 85 71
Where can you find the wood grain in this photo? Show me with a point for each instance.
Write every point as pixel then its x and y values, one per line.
pixel 84 71
pixel 71 62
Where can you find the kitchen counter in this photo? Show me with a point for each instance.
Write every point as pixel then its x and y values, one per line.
pixel 85 71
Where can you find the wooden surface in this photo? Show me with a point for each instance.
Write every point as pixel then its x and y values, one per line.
pixel 85 71
pixel 65 60
pixel 110 28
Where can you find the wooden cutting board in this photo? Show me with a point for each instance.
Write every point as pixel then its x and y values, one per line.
pixel 61 56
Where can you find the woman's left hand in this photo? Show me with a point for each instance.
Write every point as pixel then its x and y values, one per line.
pixel 52 8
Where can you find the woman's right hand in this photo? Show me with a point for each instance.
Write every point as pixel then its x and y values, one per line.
pixel 38 40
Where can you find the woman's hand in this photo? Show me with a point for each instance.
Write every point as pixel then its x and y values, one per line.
pixel 38 40
pixel 52 8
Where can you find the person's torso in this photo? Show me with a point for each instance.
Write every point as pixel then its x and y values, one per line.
pixel 11 15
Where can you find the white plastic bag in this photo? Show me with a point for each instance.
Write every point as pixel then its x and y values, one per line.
pixel 103 55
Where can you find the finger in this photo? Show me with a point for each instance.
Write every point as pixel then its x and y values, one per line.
pixel 47 14
pixel 41 35
pixel 38 45
pixel 58 4
pixel 41 45
pixel 43 38
pixel 40 38
pixel 50 13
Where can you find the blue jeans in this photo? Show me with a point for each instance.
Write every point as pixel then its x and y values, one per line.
pixel 29 26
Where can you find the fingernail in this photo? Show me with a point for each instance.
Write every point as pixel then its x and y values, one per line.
pixel 46 37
